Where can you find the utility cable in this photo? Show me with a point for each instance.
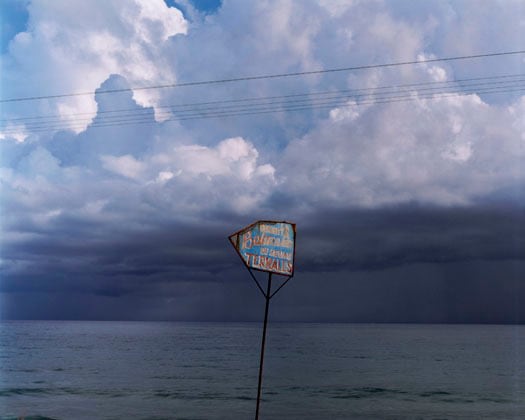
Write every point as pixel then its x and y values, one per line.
pixel 255 108
pixel 271 108
pixel 312 97
pixel 286 106
pixel 267 76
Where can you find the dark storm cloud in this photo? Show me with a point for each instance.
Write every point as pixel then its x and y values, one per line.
pixel 375 245
pixel 375 239
pixel 455 292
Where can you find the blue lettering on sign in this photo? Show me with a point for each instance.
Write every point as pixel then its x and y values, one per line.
pixel 269 247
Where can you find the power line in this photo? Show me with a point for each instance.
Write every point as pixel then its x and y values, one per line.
pixel 256 109
pixel 269 76
pixel 202 113
pixel 508 78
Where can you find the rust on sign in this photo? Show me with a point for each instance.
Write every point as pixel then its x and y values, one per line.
pixel 267 246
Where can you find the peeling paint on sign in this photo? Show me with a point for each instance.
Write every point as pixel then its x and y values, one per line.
pixel 267 246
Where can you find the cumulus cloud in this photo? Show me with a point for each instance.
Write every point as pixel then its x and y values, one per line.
pixel 85 43
pixel 444 150
pixel 447 150
pixel 125 165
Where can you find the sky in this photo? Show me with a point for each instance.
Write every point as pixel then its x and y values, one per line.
pixel 121 178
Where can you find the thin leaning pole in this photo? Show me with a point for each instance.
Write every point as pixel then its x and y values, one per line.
pixel 254 246
pixel 263 343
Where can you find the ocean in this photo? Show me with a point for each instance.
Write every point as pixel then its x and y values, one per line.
pixel 172 370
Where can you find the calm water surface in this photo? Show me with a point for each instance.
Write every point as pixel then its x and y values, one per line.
pixel 115 370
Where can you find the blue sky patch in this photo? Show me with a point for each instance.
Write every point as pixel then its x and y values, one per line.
pixel 203 6
pixel 14 17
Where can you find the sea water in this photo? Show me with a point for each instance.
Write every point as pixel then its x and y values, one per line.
pixel 142 370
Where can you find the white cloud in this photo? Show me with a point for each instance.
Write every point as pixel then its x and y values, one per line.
pixel 14 131
pixel 445 150
pixel 125 165
pixel 449 150
pixel 164 176
pixel 350 111
pixel 73 46
pixel 233 157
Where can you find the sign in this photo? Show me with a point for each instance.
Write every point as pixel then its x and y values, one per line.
pixel 267 246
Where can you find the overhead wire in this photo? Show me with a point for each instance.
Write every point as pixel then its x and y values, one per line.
pixel 272 110
pixel 267 76
pixel 263 108
pixel 440 84
pixel 302 101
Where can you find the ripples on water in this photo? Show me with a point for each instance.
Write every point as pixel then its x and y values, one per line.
pixel 113 370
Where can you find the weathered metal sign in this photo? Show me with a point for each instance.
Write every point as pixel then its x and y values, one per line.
pixel 267 246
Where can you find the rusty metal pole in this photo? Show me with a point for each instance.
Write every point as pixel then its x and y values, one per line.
pixel 259 388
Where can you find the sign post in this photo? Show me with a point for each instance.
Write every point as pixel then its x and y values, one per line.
pixel 267 246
